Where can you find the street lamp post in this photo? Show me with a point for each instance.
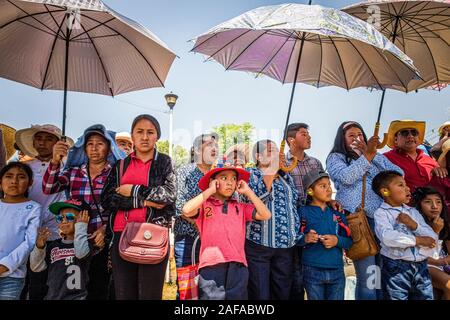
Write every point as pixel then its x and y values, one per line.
pixel 171 100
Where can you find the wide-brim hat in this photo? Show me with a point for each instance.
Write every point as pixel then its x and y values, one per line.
pixel 24 137
pixel 203 184
pixel 124 136
pixel 445 150
pixel 399 125
pixel 56 207
pixel 9 139
pixel 445 124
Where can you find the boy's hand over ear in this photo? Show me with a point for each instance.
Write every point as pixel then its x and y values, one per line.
pixel 83 217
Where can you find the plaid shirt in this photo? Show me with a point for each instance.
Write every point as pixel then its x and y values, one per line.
pixel 303 167
pixel 76 181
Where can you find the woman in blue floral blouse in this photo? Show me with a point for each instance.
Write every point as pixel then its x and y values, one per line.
pixel 270 244
pixel 352 157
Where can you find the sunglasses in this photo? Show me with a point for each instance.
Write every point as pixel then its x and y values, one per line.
pixel 70 217
pixel 406 133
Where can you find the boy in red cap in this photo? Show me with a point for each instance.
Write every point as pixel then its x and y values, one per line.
pixel 221 221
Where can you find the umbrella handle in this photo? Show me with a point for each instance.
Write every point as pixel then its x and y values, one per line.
pixel 385 136
pixel 283 160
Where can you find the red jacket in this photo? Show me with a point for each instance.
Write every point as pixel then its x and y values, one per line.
pixel 418 172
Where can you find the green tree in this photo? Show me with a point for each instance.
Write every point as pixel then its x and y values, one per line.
pixel 231 134
pixel 180 154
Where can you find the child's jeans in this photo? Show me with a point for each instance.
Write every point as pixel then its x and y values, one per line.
pixel 406 280
pixel 224 281
pixel 10 288
pixel 324 284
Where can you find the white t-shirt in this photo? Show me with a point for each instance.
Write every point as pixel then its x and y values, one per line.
pixel 35 193
pixel 19 223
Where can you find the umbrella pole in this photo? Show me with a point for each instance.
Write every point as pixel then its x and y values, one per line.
pixel 283 143
pixel 380 109
pixel 377 125
pixel 66 74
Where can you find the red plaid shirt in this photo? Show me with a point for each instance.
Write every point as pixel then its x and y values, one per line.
pixel 76 181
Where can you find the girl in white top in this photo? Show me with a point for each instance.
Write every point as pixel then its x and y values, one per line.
pixel 19 222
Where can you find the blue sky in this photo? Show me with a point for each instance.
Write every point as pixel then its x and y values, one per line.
pixel 209 96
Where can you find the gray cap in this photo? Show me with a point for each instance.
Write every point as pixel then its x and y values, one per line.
pixel 313 176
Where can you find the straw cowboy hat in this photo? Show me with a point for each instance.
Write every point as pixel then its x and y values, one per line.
pixel 8 139
pixel 24 137
pixel 399 125
pixel 445 124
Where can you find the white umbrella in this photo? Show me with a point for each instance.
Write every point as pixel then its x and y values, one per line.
pixel 82 46
pixel 310 44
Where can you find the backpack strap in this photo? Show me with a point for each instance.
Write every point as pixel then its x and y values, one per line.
pixel 303 225
pixel 343 226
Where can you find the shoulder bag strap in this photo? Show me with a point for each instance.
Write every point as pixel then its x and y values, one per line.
pixel 363 201
pixel 92 190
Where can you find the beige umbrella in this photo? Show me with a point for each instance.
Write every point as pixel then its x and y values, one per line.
pixel 421 29
pixel 78 45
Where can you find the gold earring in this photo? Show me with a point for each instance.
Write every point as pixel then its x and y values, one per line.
pixel 386 193
pixel 309 192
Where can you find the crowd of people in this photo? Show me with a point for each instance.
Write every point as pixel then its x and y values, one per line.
pixel 87 219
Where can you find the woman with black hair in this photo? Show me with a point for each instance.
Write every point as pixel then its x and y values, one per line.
pixel 352 158
pixel 430 203
pixel 140 188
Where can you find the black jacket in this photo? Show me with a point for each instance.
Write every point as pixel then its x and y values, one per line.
pixel 161 189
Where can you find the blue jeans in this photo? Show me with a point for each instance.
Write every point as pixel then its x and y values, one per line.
pixel 271 272
pixel 224 281
pixel 10 288
pixel 324 284
pixel 368 275
pixel 406 280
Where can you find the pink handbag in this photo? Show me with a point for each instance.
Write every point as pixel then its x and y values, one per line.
pixel 144 243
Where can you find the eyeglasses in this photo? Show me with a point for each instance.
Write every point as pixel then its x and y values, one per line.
pixel 69 216
pixel 407 132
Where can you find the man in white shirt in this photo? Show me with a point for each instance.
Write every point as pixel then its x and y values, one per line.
pixel 37 142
